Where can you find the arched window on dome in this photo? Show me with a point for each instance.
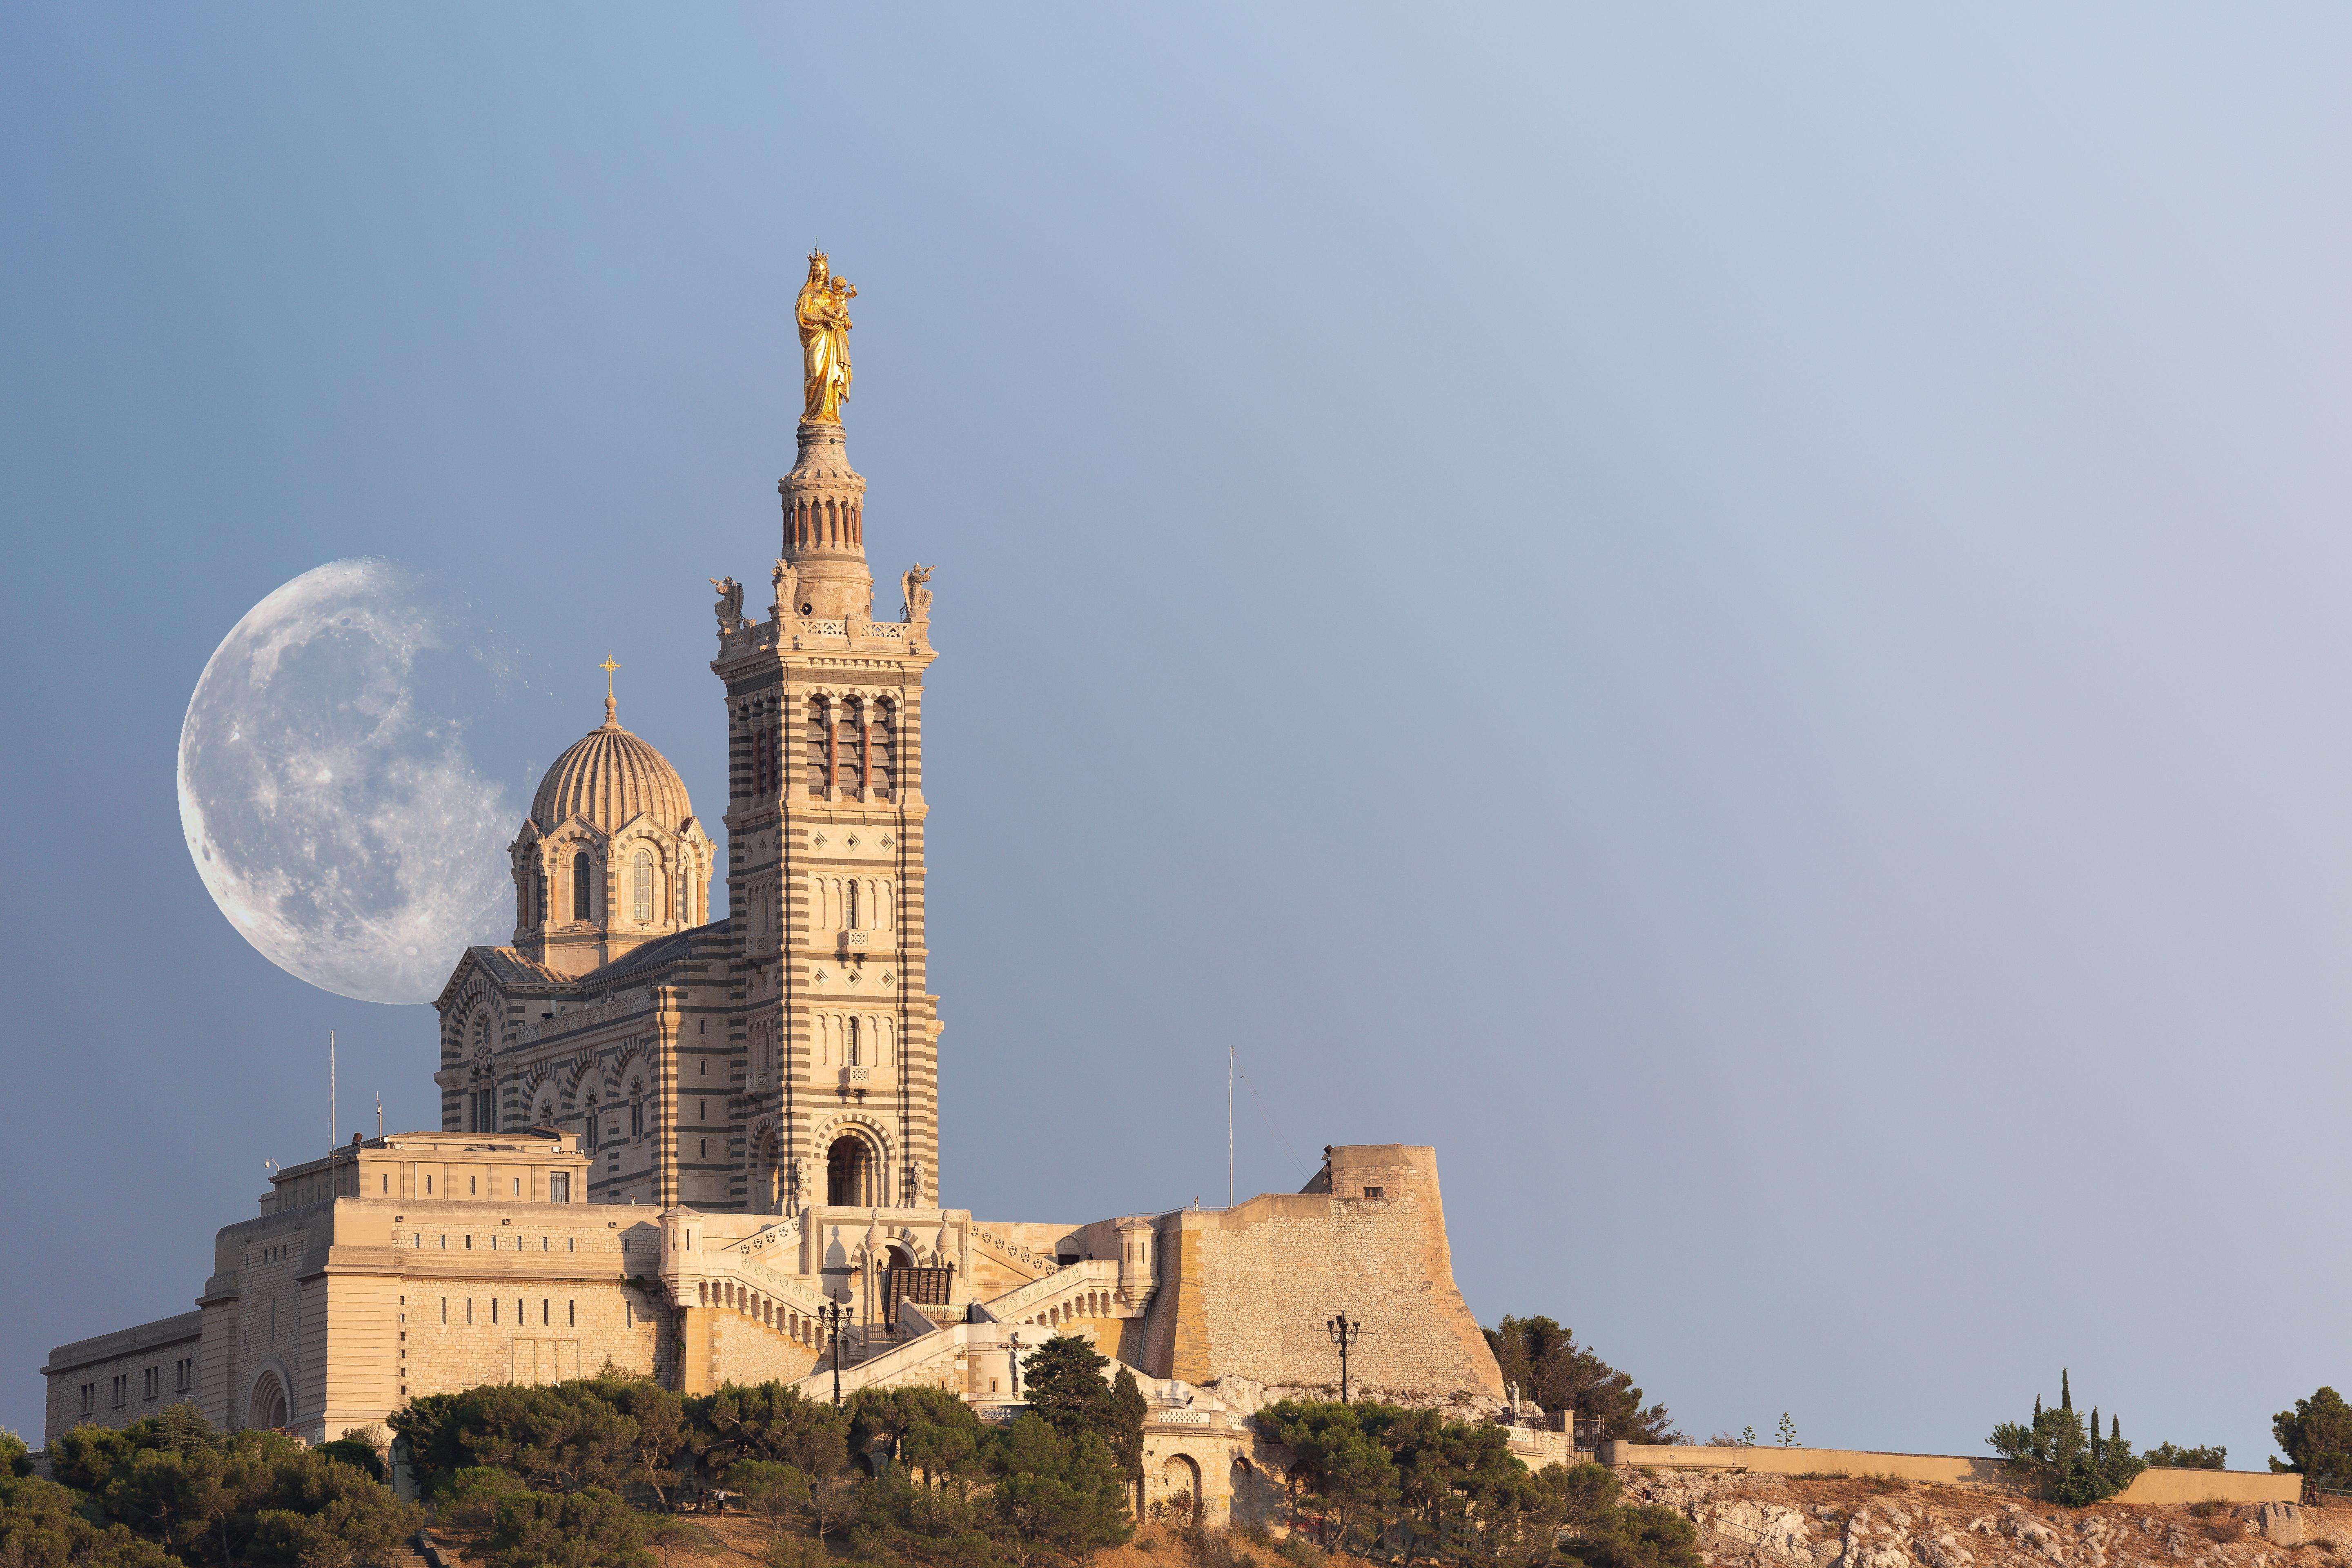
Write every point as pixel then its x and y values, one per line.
pixel 641 887
pixel 539 899
pixel 582 909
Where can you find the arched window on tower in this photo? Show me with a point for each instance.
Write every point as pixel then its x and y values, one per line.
pixel 878 752
pixel 538 899
pixel 820 747
pixel 852 904
pixel 581 908
pixel 589 1141
pixel 641 887
pixel 853 1042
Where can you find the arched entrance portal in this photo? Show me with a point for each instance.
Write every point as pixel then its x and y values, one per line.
pixel 1180 1491
pixel 852 1177
pixel 268 1405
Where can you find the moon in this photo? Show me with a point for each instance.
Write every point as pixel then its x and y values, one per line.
pixel 327 796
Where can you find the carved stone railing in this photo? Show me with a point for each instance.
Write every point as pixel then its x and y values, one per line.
pixel 1039 1298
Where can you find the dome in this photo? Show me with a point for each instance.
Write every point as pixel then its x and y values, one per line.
pixel 608 777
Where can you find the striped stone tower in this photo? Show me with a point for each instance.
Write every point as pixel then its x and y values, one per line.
pixel 835 1093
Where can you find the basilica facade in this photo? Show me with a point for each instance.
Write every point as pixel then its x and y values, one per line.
pixel 706 1150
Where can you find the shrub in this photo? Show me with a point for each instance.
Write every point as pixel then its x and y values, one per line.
pixel 2070 1467
pixel 588 1528
pixel 1640 1536
pixel 2173 1457
pixel 469 1498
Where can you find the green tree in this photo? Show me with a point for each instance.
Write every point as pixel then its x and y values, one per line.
pixel 358 1448
pixel 588 1528
pixel 15 1459
pixel 1558 1373
pixel 777 1492
pixel 1343 1468
pixel 1058 1499
pixel 1642 1536
pixel 1128 1411
pixel 767 1421
pixel 2072 1465
pixel 2316 1437
pixel 2174 1456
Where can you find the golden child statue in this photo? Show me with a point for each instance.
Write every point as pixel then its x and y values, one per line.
pixel 823 315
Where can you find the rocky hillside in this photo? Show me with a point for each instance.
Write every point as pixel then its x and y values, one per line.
pixel 1776 1521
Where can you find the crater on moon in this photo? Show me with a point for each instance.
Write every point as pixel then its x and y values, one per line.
pixel 326 789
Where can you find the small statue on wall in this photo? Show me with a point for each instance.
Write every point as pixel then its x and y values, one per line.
pixel 786 579
pixel 799 1180
pixel 914 1184
pixel 918 598
pixel 729 608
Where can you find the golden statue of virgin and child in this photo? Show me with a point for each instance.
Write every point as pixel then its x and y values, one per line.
pixel 823 315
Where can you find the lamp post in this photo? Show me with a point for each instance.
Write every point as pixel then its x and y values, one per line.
pixel 1343 1334
pixel 832 1315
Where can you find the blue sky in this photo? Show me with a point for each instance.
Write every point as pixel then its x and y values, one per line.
pixel 1734 616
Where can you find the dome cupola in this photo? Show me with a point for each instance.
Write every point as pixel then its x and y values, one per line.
pixel 611 856
pixel 609 778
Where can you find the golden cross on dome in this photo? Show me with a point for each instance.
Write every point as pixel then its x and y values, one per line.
pixel 611 707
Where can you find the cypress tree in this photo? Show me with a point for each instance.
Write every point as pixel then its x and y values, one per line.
pixel 2094 1434
pixel 2037 1410
pixel 2116 1429
pixel 2065 1391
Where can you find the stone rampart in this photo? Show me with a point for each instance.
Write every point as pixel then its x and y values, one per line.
pixel 1247 1291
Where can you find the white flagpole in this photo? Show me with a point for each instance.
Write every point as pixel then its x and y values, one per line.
pixel 333 1132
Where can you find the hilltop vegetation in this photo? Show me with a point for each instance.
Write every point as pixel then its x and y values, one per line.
pixel 589 1474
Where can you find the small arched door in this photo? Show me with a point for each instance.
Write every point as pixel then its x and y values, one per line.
pixel 850 1177
pixel 268 1406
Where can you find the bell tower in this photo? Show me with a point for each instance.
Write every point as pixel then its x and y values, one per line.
pixel 837 1078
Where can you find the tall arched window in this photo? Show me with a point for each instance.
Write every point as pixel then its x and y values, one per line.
pixel 591 1127
pixel 852 903
pixel 581 907
pixel 641 889
pixel 853 1042
pixel 539 901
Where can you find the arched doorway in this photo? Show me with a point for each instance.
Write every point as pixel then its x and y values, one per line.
pixel 268 1406
pixel 851 1174
pixel 1179 1501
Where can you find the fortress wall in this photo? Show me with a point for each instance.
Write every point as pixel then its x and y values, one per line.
pixel 1247 1291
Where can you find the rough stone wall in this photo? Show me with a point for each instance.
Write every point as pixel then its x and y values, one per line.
pixel 1247 1291
pixel 747 1351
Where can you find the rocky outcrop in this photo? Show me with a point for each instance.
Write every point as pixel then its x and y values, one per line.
pixel 1747 1520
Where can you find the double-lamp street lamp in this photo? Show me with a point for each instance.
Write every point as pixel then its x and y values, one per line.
pixel 1343 1334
